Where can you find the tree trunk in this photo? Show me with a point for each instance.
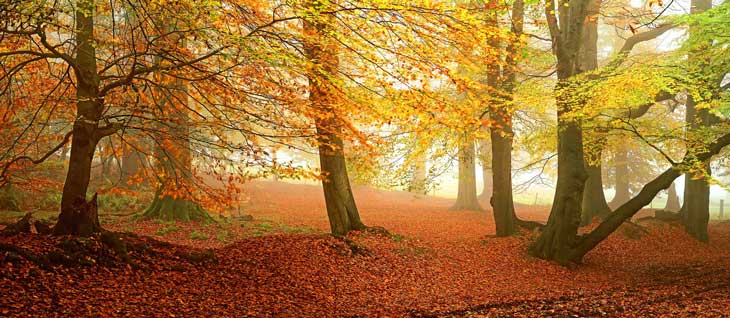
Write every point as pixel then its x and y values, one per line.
pixel 672 199
pixel 418 178
pixel 466 198
pixel 594 200
pixel 502 81
pixel 76 217
pixel 697 206
pixel 321 53
pixel 417 184
pixel 132 164
pixel 560 234
pixel 173 153
pixel 341 208
pixel 696 209
pixel 485 148
pixel 502 203
pixel 9 198
pixel 623 193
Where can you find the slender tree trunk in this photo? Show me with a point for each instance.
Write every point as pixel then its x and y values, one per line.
pixel 485 152
pixel 341 208
pixel 132 163
pixel 466 198
pixel 672 199
pixel 77 216
pixel 417 184
pixel 594 200
pixel 696 209
pixel 623 193
pixel 501 81
pixel 418 178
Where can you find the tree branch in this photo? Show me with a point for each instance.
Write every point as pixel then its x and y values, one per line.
pixel 34 161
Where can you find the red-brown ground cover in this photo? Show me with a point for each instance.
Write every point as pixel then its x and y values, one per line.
pixel 435 262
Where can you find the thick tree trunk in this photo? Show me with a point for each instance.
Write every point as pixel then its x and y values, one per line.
pixel 696 209
pixel 466 198
pixel 672 199
pixel 560 234
pixel 502 203
pixel 73 219
pixel 77 217
pixel 168 208
pixel 697 206
pixel 341 208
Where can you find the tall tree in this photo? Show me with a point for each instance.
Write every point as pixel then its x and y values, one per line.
pixel 672 199
pixel 74 217
pixel 173 200
pixel 466 198
pixel 621 174
pixel 594 200
pixel 485 154
pixel 501 82
pixel 321 53
pixel 566 32
pixel 696 209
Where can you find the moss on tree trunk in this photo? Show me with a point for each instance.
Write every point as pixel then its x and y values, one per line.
pixel 168 208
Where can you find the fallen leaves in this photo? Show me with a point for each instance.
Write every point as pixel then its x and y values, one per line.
pixel 434 263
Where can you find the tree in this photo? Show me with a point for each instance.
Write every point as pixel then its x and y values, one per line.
pixel 107 74
pixel 75 218
pixel 672 199
pixel 566 32
pixel 321 53
pixel 173 149
pixel 563 245
pixel 502 81
pixel 485 154
pixel 695 211
pixel 466 198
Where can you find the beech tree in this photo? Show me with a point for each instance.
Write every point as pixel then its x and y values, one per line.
pixel 559 240
pixel 341 207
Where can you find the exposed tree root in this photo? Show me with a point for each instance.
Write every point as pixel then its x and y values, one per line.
pixel 28 224
pixel 529 225
pixel 108 249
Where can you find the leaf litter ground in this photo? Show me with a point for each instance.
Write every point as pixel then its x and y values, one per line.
pixel 432 263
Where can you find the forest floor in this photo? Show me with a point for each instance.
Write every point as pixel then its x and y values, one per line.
pixel 433 263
